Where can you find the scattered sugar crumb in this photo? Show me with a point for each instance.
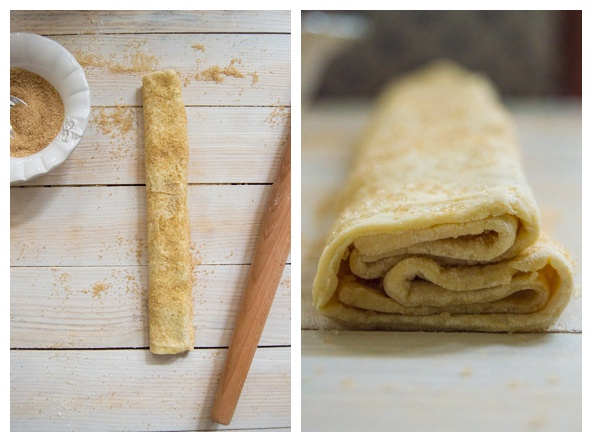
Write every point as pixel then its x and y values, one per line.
pixel 217 74
pixel 466 372
pixel 195 262
pixel 115 122
pixel 199 47
pixel 140 248
pixel 132 61
pixel 61 284
pixel 278 115
pixel 286 283
pixel 197 259
pixel 100 288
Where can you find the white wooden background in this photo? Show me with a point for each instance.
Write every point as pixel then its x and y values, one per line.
pixel 355 381
pixel 79 330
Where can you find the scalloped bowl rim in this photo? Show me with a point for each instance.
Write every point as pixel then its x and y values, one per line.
pixel 53 62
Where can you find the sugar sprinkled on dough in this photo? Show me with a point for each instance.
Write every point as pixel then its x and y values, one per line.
pixel 170 302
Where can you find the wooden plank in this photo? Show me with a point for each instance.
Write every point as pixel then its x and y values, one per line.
pixel 103 22
pixel 227 145
pixel 133 390
pixel 354 381
pixel 106 225
pixel 106 307
pixel 232 69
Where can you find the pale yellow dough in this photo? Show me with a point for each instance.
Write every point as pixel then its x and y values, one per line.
pixel 170 305
pixel 439 229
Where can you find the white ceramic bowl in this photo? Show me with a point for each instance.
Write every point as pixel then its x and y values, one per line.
pixel 53 62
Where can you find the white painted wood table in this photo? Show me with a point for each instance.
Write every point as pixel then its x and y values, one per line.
pixel 412 381
pixel 79 331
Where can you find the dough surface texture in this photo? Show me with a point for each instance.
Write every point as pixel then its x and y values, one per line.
pixel 170 301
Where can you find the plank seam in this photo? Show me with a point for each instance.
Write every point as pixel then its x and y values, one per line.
pixel 79 34
pixel 35 186
pixel 129 348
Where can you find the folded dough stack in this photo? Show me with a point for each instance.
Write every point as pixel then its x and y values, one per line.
pixel 439 229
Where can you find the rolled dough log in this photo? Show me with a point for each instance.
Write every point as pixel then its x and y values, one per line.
pixel 169 256
pixel 439 229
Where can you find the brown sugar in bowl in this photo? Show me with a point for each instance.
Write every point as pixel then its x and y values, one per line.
pixel 52 62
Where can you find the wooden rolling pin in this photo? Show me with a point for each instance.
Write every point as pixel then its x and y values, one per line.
pixel 269 260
